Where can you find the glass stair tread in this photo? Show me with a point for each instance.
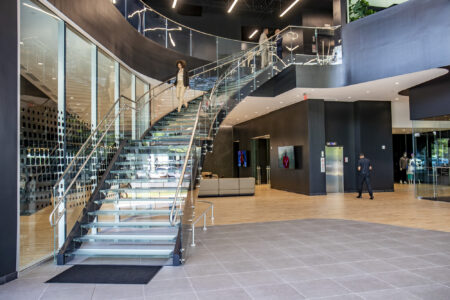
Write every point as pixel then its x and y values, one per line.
pixel 132 212
pixel 129 224
pixel 142 200
pixel 143 190
pixel 170 180
pixel 163 163
pixel 128 237
pixel 159 253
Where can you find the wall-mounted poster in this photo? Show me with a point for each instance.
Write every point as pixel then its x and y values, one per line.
pixel 242 158
pixel 286 157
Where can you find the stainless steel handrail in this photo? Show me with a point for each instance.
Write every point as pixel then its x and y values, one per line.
pixel 52 221
pixel 172 218
pixel 203 214
pixel 61 198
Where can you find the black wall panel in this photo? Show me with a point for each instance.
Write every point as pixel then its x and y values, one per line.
pixel 102 20
pixel 430 99
pixel 8 136
pixel 373 126
pixel 287 126
pixel 316 134
pixel 409 37
pixel 220 161
pixel 340 128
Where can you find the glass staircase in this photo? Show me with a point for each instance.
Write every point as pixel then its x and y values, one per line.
pixel 143 205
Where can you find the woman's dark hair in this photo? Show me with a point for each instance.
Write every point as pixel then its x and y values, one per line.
pixel 182 62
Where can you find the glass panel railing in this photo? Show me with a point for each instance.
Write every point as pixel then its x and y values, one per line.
pixel 173 35
pixel 161 143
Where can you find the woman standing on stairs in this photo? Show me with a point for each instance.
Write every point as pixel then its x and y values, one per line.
pixel 181 83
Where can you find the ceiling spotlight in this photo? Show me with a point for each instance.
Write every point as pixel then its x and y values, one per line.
pixel 174 3
pixel 396 99
pixel 349 97
pixel 281 102
pixel 39 63
pixel 232 6
pixel 289 8
pixel 253 34
pixel 397 83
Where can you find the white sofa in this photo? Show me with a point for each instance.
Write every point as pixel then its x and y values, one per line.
pixel 216 187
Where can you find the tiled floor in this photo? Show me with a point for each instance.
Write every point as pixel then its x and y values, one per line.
pixel 301 259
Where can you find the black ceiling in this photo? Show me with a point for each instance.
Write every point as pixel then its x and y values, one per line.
pixel 257 6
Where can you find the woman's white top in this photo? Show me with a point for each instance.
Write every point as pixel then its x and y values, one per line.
pixel 180 77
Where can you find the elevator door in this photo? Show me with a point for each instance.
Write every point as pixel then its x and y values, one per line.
pixel 334 169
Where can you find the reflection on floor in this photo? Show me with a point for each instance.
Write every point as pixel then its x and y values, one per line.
pixel 397 208
pixel 299 259
pixel 36 234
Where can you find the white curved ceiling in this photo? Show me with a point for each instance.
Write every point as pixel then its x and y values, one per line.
pixel 386 89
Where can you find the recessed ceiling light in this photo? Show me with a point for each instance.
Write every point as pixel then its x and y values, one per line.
pixel 349 97
pixel 396 99
pixel 397 83
pixel 281 102
pixel 367 92
pixel 39 63
pixel 71 97
pixel 54 78
pixel 267 107
pixel 256 112
pixel 312 90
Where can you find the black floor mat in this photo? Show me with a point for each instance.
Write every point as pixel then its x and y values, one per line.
pixel 113 274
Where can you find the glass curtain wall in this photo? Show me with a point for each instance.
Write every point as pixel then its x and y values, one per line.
pixel 38 129
pixel 86 93
pixel 431 140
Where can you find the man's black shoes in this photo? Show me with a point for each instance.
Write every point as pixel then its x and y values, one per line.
pixel 359 196
pixel 371 197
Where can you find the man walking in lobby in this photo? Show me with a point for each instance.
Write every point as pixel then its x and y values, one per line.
pixel 364 169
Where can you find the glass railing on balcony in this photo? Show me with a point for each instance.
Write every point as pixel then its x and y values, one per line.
pixel 173 35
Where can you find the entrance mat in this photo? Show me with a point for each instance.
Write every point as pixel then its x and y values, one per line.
pixel 113 274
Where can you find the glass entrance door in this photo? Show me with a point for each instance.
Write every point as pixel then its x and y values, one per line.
pixel 431 160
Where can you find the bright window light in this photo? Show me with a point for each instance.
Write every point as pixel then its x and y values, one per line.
pixel 253 34
pixel 232 6
pixel 289 8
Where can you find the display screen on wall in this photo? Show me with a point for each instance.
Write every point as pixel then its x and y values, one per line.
pixel 289 157
pixel 243 158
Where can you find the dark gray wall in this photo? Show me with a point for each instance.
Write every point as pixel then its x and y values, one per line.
pixel 8 136
pixel 220 161
pixel 361 126
pixel 301 124
pixel 103 22
pixel 311 76
pixel 340 128
pixel 406 38
pixel 430 99
pixel 287 126
pixel 373 127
